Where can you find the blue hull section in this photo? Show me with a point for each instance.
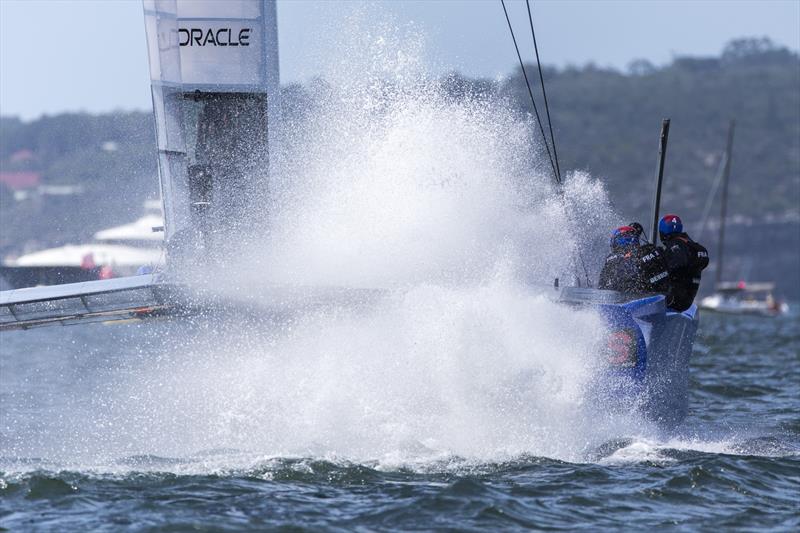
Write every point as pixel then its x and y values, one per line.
pixel 647 353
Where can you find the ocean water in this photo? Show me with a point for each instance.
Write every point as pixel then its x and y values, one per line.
pixel 103 429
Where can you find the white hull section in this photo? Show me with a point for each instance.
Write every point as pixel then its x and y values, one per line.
pixel 736 306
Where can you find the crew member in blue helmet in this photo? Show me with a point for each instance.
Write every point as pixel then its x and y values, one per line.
pixel 685 258
pixel 632 266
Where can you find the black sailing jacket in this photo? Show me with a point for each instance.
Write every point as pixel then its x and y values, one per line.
pixel 635 269
pixel 686 259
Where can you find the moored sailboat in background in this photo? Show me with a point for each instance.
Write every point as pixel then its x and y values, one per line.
pixel 736 297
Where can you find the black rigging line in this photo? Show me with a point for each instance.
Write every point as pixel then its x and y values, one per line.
pixel 530 93
pixel 555 166
pixel 550 126
pixel 544 93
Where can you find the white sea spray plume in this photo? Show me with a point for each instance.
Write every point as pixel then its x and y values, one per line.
pixel 484 372
pixel 445 205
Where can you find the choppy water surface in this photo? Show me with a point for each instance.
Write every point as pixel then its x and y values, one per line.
pixel 81 450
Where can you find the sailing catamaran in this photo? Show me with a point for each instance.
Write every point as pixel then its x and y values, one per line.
pixel 740 297
pixel 215 86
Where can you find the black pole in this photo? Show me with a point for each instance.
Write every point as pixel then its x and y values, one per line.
pixel 662 154
pixel 724 208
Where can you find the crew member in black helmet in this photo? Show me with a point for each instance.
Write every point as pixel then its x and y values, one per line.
pixel 632 266
pixel 686 259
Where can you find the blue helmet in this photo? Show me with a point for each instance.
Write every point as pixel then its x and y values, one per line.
pixel 624 236
pixel 670 224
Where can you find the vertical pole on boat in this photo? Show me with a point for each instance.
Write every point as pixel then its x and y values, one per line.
pixel 724 207
pixel 662 154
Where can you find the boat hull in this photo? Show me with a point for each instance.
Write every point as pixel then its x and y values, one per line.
pixel 646 357
pixel 734 306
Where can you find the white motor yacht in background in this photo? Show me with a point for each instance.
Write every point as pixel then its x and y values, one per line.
pixel 745 298
pixel 114 252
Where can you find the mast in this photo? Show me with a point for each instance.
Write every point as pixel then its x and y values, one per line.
pixel 662 154
pixel 724 204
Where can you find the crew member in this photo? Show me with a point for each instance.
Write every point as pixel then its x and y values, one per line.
pixel 685 258
pixel 632 266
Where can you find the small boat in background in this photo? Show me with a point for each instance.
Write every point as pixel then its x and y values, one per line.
pixel 730 296
pixel 745 298
pixel 114 252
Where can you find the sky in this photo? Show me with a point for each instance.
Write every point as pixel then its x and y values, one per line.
pixel 90 55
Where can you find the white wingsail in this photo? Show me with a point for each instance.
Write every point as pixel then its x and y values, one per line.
pixel 215 83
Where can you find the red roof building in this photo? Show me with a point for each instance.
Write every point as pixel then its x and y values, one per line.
pixel 20 180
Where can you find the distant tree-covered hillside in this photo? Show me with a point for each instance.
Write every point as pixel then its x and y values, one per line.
pixel 608 122
pixel 110 157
